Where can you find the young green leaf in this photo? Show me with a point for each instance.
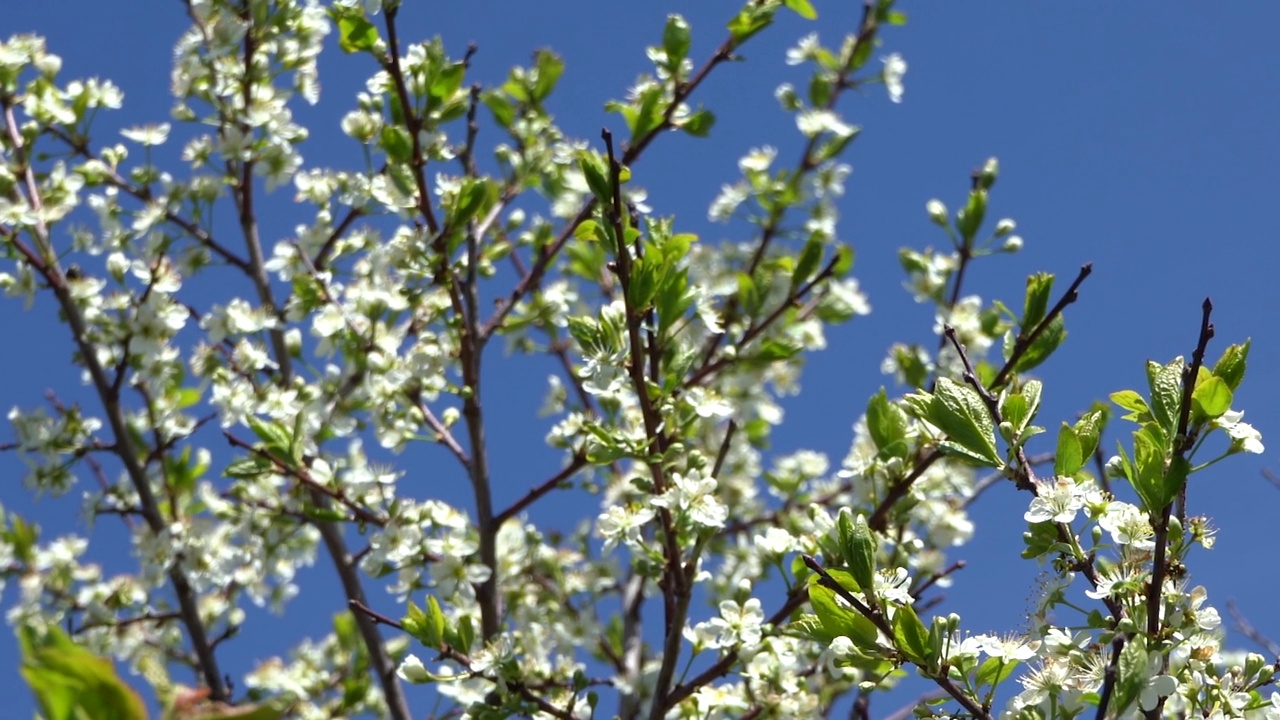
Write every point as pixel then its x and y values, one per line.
pixel 355 34
pixel 839 620
pixel 958 411
pixel 858 546
pixel 1211 398
pixel 1148 461
pixel 70 682
pixel 911 637
pixel 676 40
pixel 1036 304
pixel 887 425
pixel 593 170
pixel 1013 408
pixel 751 20
pixel 969 219
pixel 802 8
pixel 1130 400
pixel 548 67
pixel 994 671
pixel 1043 346
pixel 1069 457
pixel 1088 430
pixel 446 84
pixel 274 435
pixel 1166 393
pixel 807 264
pixel 699 123
pixel 397 143
pixel 1231 366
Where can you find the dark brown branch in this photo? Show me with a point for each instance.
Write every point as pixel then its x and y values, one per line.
pixel 578 462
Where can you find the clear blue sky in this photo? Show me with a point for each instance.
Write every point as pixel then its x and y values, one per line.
pixel 1139 136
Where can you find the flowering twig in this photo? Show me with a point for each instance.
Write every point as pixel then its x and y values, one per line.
pixel 548 253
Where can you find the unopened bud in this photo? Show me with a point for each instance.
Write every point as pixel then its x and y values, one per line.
pixel 937 212
pixel 988 174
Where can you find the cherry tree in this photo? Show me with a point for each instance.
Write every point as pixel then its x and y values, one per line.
pixel 236 437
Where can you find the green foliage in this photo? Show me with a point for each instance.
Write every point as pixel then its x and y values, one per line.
pixel 959 412
pixel 70 683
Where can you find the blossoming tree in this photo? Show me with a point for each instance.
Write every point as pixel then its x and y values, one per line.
pixel 228 434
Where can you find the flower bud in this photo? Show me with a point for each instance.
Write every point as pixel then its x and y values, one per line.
pixel 988 174
pixel 1114 467
pixel 1005 226
pixel 1012 244
pixel 937 212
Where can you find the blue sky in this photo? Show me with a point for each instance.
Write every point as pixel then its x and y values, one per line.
pixel 1138 136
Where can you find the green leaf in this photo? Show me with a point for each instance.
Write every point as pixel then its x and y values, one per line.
pixel 643 282
pixel 809 626
pixel 895 17
pixel 1069 458
pixel 699 124
pixel 676 40
pixel 807 264
pixel 549 67
pixel 887 425
pixel 773 350
pixel 1231 366
pixel 844 261
pixel 277 438
pixel 247 468
pixel 802 8
pixel 593 170
pixel 1043 346
pixel 841 621
pixel 397 143
pixel 820 90
pixel 955 449
pixel 1032 390
pixel 446 83
pixel 462 636
pixel 1137 406
pixel 1166 393
pixel 504 112
pixel 589 230
pixel 1013 408
pixel 911 637
pixel 859 547
pixel 751 20
pixel 329 514
pixel 1036 304
pixel 1211 398
pixel 748 294
pixel 994 671
pixel 1088 430
pixel 1040 540
pixel 648 113
pixel 1021 407
pixel 71 683
pixel 433 623
pixel 959 412
pixel 1148 465
pixel 969 219
pixel 470 200
pixel 355 34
